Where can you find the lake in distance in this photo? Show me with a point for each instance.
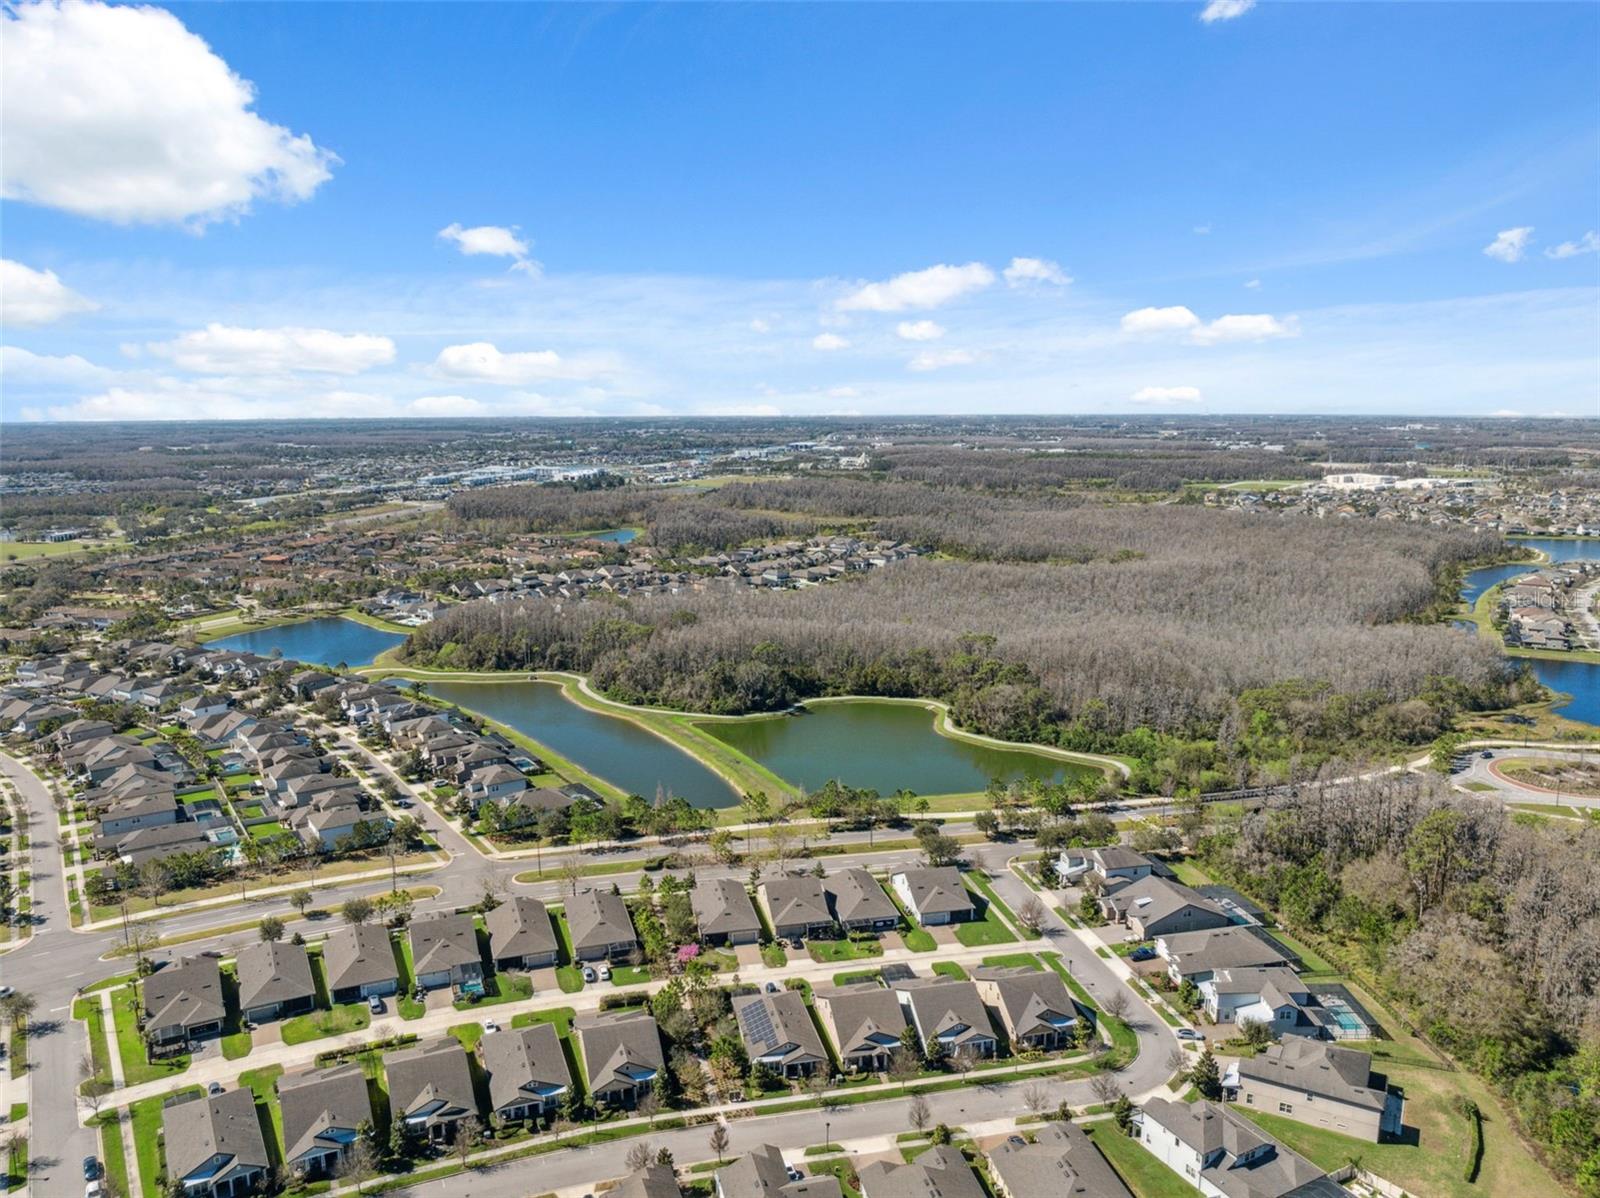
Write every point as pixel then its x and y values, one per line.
pixel 1580 679
pixel 326 640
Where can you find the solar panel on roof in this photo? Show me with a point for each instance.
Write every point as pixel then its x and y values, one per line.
pixel 757 1021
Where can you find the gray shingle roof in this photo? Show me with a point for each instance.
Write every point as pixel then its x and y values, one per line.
pixel 359 955
pixel 722 906
pixel 1062 1163
pixel 434 1072
pixel 442 943
pixel 520 928
pixel 222 1125
pixel 188 993
pixel 272 972
pixel 320 1102
pixel 597 918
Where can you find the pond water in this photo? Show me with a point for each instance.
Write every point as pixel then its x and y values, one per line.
pixel 1580 679
pixel 616 749
pixel 883 747
pixel 327 640
pixel 616 536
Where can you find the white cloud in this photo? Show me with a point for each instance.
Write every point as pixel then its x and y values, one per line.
pixel 484 362
pixel 919 330
pixel 1253 284
pixel 842 393
pixel 223 349
pixel 1176 319
pixel 1589 243
pixel 1202 230
pixel 445 405
pixel 1509 244
pixel 34 297
pixel 1506 414
pixel 496 241
pixel 1165 395
pixel 1225 10
pixel 918 289
pixel 829 341
pixel 1023 271
pixel 18 365
pixel 938 359
pixel 1244 328
pixel 760 326
pixel 121 114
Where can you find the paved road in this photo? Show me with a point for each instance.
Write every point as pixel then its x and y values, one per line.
pixel 1482 773
pixel 57 1144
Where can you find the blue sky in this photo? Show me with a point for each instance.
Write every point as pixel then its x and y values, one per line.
pixel 706 209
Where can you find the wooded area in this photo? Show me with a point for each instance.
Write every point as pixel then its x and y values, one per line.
pixel 1267 639
pixel 1484 926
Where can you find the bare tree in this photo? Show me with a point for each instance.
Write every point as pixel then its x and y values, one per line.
pixel 1117 1004
pixel 360 1164
pixel 469 1134
pixel 1105 1086
pixel 717 1141
pixel 1035 1096
pixel 918 1113
pixel 639 1155
pixel 1031 913
pixel 650 1106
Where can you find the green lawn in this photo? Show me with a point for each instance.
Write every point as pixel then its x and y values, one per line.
pixel 949 969
pixel 1311 961
pixel 499 988
pixel 774 956
pixel 262 1082
pixel 630 975
pixel 975 933
pixel 408 1007
pixel 984 888
pixel 147 1138
pixel 316 1025
pixel 857 975
pixel 844 950
pixel 88 1010
pixel 112 1155
pixel 1013 961
pixel 136 1066
pixel 919 940
pixel 1141 1171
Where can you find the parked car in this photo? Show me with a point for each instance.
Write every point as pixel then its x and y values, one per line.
pixel 374 1004
pixel 91 1168
pixel 605 973
pixel 1188 1033
pixel 1143 953
pixel 1487 755
pixel 589 974
pixel 772 987
pixel 6 992
pixel 94 1190
pixel 214 1089
pixel 794 1174
pixel 489 1025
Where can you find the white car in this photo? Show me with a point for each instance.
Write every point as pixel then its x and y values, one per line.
pixel 605 973
pixel 1188 1033
pixel 489 1025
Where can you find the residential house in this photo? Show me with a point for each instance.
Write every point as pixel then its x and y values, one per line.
pixel 949 1016
pixel 600 925
pixel 1153 906
pixel 723 912
pixel 623 1053
pixel 1274 997
pixel 527 1071
pixel 274 980
pixel 865 1022
pixel 797 907
pixel 183 1002
pixel 1320 1085
pixel 653 1181
pixel 940 1172
pixel 358 961
pixel 1196 956
pixel 761 1173
pixel 324 1112
pixel 778 1033
pixel 149 810
pixel 521 935
pixel 430 1087
pixel 1062 1162
pixel 444 952
pixel 214 1145
pixel 1106 863
pixel 1223 1155
pixel 936 895
pixel 1033 1005
pixel 859 903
